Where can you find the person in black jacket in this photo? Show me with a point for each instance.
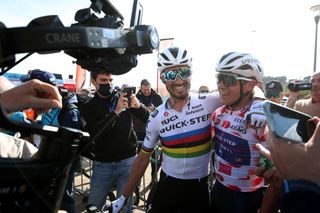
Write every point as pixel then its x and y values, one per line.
pixel 108 119
pixel 151 99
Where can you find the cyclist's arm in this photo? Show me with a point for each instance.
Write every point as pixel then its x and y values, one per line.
pixel 138 168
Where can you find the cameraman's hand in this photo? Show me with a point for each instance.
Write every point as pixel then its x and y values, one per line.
pixel 32 94
pixel 135 103
pixel 121 104
pixel 255 117
pixel 117 205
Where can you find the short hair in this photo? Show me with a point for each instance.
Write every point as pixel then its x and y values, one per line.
pixel 94 74
pixel 145 82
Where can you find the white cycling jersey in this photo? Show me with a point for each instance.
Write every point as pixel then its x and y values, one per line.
pixel 236 156
pixel 184 136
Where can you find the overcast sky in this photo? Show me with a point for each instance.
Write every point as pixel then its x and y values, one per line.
pixel 281 34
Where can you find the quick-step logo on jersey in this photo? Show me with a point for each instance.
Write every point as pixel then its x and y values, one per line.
pixel 231 148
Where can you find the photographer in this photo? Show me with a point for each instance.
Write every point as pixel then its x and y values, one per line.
pixel 311 105
pixel 298 163
pixel 108 119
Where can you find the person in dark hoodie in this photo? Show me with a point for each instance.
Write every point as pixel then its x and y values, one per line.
pixel 151 99
pixel 68 116
pixel 108 119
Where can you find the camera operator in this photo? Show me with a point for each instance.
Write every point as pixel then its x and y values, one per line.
pixel 298 163
pixel 311 105
pixel 108 119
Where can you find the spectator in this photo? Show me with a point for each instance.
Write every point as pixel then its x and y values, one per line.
pixel 107 117
pixel 270 203
pixel 299 166
pixel 151 99
pixel 237 188
pixel 311 105
pixel 274 91
pixel 68 116
pixel 204 89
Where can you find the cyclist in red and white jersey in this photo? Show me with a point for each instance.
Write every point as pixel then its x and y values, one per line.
pixel 182 124
pixel 237 188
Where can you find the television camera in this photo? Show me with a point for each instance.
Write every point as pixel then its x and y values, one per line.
pixel 97 44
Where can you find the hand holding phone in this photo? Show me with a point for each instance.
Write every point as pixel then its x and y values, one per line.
pixel 288 123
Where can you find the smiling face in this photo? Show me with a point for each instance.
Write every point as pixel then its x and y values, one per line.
pixel 177 80
pixel 229 88
pixel 315 90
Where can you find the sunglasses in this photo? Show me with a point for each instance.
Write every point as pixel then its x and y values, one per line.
pixel 272 94
pixel 171 75
pixel 229 80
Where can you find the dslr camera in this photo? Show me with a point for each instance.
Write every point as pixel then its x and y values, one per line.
pixel 129 90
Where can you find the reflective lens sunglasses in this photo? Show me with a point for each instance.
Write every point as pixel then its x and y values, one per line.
pixel 229 80
pixel 274 94
pixel 171 75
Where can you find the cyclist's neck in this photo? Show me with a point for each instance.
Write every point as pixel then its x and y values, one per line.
pixel 178 104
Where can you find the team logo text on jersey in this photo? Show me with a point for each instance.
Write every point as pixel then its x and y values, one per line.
pixel 239 120
pixel 183 123
pixel 239 128
pixel 231 148
pixel 195 109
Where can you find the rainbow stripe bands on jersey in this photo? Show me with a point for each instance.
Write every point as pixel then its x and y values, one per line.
pixel 187 145
pixel 146 150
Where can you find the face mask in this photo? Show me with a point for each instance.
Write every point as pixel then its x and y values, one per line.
pixel 105 90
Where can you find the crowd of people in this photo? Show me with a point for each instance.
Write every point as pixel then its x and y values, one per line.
pixel 226 127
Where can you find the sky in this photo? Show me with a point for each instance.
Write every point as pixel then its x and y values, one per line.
pixel 281 34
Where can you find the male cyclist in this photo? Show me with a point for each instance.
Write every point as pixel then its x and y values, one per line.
pixel 237 188
pixel 182 124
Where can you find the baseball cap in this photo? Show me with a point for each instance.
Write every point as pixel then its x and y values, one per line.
pixel 273 89
pixel 274 86
pixel 41 75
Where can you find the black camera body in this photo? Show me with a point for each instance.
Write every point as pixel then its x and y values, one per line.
pixel 129 90
pixel 299 86
pixel 97 44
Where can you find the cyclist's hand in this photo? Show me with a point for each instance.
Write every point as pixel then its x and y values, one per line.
pixel 255 117
pixel 118 204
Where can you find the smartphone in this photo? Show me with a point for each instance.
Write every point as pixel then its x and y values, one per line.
pixel 287 123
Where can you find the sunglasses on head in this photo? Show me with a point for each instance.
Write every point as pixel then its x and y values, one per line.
pixel 171 75
pixel 229 80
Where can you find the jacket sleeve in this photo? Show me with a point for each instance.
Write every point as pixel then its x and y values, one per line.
pixel 97 127
pixel 142 113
